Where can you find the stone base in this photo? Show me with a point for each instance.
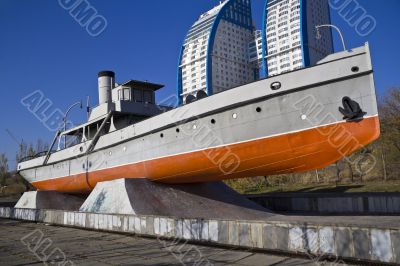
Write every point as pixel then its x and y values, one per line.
pixel 142 197
pixel 357 239
pixel 49 200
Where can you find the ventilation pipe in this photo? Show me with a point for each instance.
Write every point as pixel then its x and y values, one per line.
pixel 106 84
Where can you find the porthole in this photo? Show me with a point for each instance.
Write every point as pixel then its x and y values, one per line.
pixel 124 148
pixel 276 86
pixel 81 149
pixel 234 115
pixel 213 121
pixel 355 69
pixel 178 130
pixel 258 109
pixel 303 117
pixel 161 135
pixel 194 126
pixel 110 153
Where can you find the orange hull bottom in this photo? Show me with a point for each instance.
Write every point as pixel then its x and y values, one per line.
pixel 290 153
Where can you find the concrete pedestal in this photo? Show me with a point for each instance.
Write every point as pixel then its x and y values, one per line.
pixel 49 200
pixel 142 197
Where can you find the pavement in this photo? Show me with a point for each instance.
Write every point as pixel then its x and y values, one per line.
pixel 24 243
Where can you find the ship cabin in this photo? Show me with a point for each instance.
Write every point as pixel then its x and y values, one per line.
pixel 120 105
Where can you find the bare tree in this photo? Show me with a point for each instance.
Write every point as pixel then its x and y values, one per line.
pixel 3 169
pixel 390 128
pixel 22 151
pixel 390 114
pixel 41 146
pixel 31 150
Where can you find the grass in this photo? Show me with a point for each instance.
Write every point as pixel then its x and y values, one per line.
pixel 373 186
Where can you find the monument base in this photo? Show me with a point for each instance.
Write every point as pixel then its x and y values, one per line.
pixel 49 200
pixel 143 197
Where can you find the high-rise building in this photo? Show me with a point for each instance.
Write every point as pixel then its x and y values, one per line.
pixel 289 35
pixel 255 48
pixel 214 55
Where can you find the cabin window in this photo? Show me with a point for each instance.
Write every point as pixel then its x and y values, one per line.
pixel 127 94
pixel 124 94
pixel 148 97
pixel 70 140
pixel 138 95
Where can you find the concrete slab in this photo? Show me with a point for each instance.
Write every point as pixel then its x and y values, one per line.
pixel 142 197
pixel 343 242
pixel 223 232
pixel 270 237
pixel 396 245
pixel 282 236
pixel 362 246
pixel 49 200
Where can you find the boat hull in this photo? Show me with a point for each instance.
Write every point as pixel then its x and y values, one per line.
pixel 290 153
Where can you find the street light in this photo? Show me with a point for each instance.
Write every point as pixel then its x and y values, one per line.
pixel 65 119
pixel 330 26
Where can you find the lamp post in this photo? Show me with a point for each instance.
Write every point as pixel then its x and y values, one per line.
pixel 65 119
pixel 334 27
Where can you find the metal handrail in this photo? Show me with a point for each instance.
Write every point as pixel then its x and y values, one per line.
pixel 65 119
pixel 51 147
pixel 336 28
pixel 97 136
pixel 37 155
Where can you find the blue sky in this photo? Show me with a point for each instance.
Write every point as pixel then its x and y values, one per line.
pixel 43 48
